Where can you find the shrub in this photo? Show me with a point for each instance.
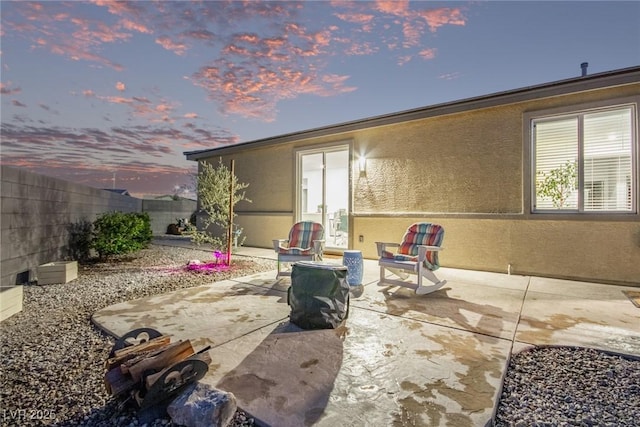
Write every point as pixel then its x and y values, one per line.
pixel 117 233
pixel 80 240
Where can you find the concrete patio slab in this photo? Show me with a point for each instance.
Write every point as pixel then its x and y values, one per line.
pixel 498 280
pixel 562 312
pixel 399 359
pixel 207 315
pixel 484 309
pixel 375 370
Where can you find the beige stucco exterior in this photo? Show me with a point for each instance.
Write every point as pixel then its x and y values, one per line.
pixel 463 166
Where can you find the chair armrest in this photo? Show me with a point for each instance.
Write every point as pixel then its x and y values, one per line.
pixel 382 246
pixel 423 249
pixel 277 243
pixel 432 248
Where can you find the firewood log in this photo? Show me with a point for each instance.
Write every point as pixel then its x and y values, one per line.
pixel 169 355
pixel 128 353
pixel 117 383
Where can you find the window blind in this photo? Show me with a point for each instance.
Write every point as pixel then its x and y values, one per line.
pixel 584 161
pixel 607 161
pixel 556 146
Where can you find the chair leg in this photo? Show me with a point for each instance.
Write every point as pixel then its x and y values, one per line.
pixel 430 275
pixel 278 273
pixel 400 273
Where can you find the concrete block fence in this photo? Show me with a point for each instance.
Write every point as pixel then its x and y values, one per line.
pixel 36 211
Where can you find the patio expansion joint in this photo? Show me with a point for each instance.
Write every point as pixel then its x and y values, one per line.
pixel 250 332
pixel 494 412
pixel 435 324
pixel 515 330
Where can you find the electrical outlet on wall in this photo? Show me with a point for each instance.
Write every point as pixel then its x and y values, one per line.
pixel 361 238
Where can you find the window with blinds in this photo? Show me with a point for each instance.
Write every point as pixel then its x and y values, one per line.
pixel 583 162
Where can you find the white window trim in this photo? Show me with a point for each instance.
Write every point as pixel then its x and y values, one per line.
pixel 529 156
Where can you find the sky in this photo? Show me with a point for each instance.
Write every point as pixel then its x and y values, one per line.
pixel 111 94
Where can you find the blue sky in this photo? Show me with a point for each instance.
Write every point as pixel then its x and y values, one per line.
pixel 93 89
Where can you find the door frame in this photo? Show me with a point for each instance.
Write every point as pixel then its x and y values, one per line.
pixel 297 183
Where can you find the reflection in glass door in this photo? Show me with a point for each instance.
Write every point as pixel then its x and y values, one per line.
pixel 324 192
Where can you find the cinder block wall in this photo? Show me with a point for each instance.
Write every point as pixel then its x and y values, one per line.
pixel 35 213
pixel 165 212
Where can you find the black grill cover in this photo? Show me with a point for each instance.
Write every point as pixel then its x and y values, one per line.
pixel 319 295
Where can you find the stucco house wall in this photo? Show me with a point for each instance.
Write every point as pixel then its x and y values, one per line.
pixel 463 165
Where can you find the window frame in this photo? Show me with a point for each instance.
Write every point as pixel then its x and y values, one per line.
pixel 574 111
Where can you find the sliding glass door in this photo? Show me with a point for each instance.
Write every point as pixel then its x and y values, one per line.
pixel 323 182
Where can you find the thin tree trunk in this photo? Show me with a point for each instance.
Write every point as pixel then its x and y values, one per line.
pixel 230 228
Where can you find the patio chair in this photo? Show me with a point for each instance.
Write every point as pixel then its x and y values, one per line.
pixel 417 254
pixel 305 243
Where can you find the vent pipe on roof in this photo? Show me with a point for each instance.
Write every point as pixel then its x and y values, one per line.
pixel 584 66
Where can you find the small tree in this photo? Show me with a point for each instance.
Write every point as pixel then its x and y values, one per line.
pixel 558 184
pixel 213 195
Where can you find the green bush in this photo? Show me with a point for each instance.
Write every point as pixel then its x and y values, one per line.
pixel 117 233
pixel 80 234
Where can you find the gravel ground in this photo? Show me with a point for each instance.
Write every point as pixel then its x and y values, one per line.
pixel 569 386
pixel 53 357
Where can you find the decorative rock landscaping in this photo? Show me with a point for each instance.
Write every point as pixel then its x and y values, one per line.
pixel 53 356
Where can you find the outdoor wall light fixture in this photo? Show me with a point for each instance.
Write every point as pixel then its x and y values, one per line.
pixel 362 162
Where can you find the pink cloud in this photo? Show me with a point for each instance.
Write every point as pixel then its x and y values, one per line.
pixel 254 90
pixel 248 73
pixel 356 18
pixel 412 20
pixel 166 42
pixel 6 89
pixel 437 18
pixel 404 59
pixel 119 8
pixel 135 26
pixel 366 48
pixel 429 53
pixel 393 7
pixel 63 33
